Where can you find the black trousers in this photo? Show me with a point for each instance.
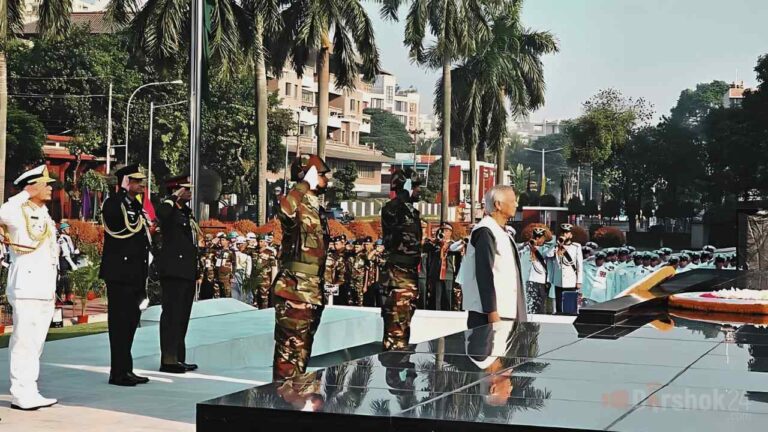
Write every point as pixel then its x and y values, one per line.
pixel 443 290
pixel 476 319
pixel 177 298
pixel 559 298
pixel 123 319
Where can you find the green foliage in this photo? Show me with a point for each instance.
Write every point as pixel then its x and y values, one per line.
pixel 694 105
pixel 606 126
pixel 86 280
pixel 520 176
pixel 611 209
pixel 590 208
pixel 95 181
pixel 548 201
pixel 387 133
pixel 344 182
pixel 434 187
pixel 281 122
pixel 24 142
pixel 575 207
pixel 89 62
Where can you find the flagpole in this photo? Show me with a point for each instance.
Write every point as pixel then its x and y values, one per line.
pixel 195 82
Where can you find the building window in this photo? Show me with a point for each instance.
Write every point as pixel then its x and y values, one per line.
pixel 343 136
pixel 377 103
pixel 390 94
pixel 400 106
pixel 287 89
pixel 413 108
pixel 364 170
pixel 351 104
pixel 402 119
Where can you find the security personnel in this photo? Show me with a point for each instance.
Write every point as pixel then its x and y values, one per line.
pixel 401 226
pixel 332 259
pixel 534 266
pixel 358 274
pixel 298 290
pixel 225 265
pixel 28 230
pixel 265 261
pixel 177 269
pixel 67 258
pixel 124 267
pixel 207 267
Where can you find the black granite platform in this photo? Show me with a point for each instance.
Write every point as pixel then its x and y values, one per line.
pixel 651 373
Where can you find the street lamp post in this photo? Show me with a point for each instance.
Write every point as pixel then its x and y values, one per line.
pixel 543 153
pixel 128 109
pixel 152 108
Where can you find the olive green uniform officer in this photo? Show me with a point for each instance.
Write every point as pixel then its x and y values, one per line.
pixel 298 289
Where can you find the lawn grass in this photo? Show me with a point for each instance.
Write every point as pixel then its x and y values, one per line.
pixel 65 332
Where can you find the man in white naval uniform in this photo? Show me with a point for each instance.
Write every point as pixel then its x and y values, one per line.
pixel 30 234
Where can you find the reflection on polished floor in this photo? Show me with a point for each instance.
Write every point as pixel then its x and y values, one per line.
pixel 667 373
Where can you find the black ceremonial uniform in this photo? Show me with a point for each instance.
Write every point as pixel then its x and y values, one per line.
pixel 124 267
pixel 177 269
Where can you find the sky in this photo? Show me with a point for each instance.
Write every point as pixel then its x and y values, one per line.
pixel 645 48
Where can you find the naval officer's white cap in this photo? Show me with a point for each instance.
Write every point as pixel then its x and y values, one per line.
pixel 35 175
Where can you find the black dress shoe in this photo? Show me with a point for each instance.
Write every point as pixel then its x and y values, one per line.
pixel 138 379
pixel 176 368
pixel 123 381
pixel 189 366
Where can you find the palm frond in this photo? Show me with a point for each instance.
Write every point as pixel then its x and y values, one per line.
pixel 15 16
pixel 54 18
pixel 121 11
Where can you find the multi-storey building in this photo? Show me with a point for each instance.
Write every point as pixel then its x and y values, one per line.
pixel 347 121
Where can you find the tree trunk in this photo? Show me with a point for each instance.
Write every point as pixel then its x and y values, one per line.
pixel 261 130
pixel 323 81
pixel 446 138
pixel 3 120
pixel 500 156
pixel 472 180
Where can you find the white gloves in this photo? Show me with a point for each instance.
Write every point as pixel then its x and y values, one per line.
pixel 408 187
pixel 312 178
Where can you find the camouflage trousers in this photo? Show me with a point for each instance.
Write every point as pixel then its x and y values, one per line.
pixel 356 294
pixel 295 326
pixel 401 292
pixel 262 295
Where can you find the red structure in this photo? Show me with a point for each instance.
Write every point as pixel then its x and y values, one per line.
pixel 459 181
pixel 61 165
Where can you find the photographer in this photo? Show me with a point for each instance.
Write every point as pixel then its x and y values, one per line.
pixel 443 267
pixel 535 272
pixel 568 269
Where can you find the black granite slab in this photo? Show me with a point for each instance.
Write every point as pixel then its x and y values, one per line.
pixel 528 377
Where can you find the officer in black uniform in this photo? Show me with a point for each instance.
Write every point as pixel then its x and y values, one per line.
pixel 124 267
pixel 177 269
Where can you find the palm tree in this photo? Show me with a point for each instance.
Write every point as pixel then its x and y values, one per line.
pixel 340 34
pixel 53 22
pixel 456 25
pixel 264 20
pixel 506 69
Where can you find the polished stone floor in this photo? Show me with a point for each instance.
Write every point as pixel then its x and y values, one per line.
pixel 670 373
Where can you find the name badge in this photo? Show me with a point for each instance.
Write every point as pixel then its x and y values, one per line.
pixel 218 263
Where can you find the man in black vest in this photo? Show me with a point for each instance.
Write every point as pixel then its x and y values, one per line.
pixel 177 269
pixel 124 267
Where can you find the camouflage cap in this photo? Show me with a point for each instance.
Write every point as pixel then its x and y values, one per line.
pixel 304 163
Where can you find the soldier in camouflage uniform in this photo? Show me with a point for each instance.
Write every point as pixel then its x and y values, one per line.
pixel 371 297
pixel 208 284
pixel 401 225
pixel 357 264
pixel 225 265
pixel 298 290
pixel 264 262
pixel 333 263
